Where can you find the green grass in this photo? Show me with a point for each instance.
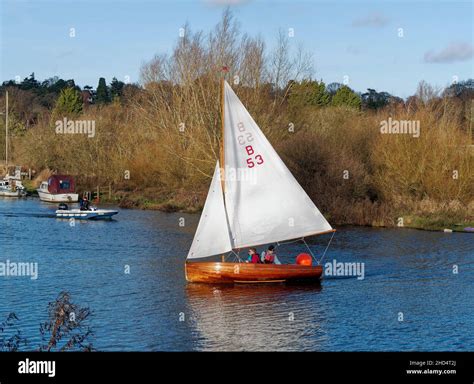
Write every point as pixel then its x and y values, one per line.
pixel 29 186
pixel 163 202
pixel 437 222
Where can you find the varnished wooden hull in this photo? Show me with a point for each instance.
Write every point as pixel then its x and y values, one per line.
pixel 231 273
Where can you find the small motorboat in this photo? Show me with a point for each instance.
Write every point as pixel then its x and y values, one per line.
pixel 92 213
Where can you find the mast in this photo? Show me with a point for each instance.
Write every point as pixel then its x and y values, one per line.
pixel 222 152
pixel 6 131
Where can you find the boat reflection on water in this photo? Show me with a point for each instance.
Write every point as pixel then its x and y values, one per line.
pixel 256 317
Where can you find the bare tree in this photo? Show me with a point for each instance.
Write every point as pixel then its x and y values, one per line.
pixel 66 328
pixel 13 340
pixel 280 62
pixel 223 42
pixel 425 92
pixel 252 62
pixel 285 67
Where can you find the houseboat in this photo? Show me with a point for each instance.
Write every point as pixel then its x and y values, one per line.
pixel 58 189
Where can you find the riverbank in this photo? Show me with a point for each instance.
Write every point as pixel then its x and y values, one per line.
pixel 439 223
pixel 426 215
pixel 184 202
pixel 160 200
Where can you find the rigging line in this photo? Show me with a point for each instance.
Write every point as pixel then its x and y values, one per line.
pixel 288 242
pixel 319 262
pixel 226 255
pixel 236 255
pixel 309 249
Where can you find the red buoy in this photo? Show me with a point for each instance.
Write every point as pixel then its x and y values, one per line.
pixel 304 259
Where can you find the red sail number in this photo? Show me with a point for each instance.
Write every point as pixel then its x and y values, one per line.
pixel 258 158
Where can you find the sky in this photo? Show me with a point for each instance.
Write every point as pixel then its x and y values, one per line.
pixel 386 45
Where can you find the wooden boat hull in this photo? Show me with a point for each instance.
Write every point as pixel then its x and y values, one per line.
pixel 232 273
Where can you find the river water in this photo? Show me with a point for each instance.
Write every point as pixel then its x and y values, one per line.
pixel 410 298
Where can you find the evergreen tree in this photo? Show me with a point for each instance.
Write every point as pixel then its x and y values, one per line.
pixel 308 93
pixel 346 96
pixel 69 102
pixel 332 88
pixel 116 88
pixel 30 83
pixel 375 100
pixel 102 93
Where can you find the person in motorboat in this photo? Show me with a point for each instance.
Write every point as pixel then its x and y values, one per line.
pixel 85 204
pixel 253 256
pixel 64 206
pixel 269 256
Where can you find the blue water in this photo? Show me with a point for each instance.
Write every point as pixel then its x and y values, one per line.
pixel 408 273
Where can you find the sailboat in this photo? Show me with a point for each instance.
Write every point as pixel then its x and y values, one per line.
pixel 10 186
pixel 240 211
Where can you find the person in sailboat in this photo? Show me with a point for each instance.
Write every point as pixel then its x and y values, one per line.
pixel 269 256
pixel 253 256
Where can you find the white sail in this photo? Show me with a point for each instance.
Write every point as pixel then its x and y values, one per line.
pixel 212 234
pixel 270 206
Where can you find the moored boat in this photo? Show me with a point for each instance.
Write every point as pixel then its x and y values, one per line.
pixel 11 187
pixel 6 190
pixel 58 189
pixel 253 200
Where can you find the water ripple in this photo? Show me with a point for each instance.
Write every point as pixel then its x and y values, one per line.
pixel 408 274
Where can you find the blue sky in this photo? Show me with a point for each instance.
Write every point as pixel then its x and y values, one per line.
pixel 347 38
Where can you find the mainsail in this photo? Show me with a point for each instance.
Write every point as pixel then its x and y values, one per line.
pixel 271 206
pixel 263 201
pixel 212 234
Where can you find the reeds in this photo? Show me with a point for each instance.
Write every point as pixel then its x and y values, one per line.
pixel 161 142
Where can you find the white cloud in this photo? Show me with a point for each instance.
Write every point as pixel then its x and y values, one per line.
pixel 373 20
pixel 453 52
